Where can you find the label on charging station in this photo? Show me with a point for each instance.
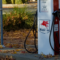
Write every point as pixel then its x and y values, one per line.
pixel 44 5
pixel 56 27
pixel 44 26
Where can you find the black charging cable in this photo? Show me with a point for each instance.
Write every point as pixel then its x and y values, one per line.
pixel 34 27
pixel 52 27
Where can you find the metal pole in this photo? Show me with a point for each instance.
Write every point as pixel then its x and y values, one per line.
pixel 1 26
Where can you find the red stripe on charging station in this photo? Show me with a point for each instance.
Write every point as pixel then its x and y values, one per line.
pixel 56 4
pixel 56 38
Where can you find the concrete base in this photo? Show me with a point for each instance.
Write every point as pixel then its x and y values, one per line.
pixel 3 46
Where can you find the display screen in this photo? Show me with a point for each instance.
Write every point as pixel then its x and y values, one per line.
pixel 43 5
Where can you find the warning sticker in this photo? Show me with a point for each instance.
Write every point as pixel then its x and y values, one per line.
pixel 44 26
pixel 56 27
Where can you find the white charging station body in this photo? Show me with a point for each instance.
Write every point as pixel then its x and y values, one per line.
pixel 45 18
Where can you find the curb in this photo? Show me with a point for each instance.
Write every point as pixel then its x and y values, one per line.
pixel 22 56
pixel 26 56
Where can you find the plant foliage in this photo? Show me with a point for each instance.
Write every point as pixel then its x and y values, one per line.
pixel 17 19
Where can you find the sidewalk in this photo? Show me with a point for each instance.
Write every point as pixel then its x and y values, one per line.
pixel 18 5
pixel 25 56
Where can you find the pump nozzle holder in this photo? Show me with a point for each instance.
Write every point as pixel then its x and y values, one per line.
pixel 55 13
pixel 58 14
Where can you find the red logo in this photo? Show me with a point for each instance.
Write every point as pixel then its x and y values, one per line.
pixel 44 23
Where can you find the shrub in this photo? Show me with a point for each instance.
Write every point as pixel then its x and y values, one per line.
pixel 8 1
pixel 14 1
pixel 18 1
pixel 17 19
pixel 4 1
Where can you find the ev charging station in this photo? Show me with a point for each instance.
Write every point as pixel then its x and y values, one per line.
pixel 49 27
pixel 48 15
pixel 45 17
